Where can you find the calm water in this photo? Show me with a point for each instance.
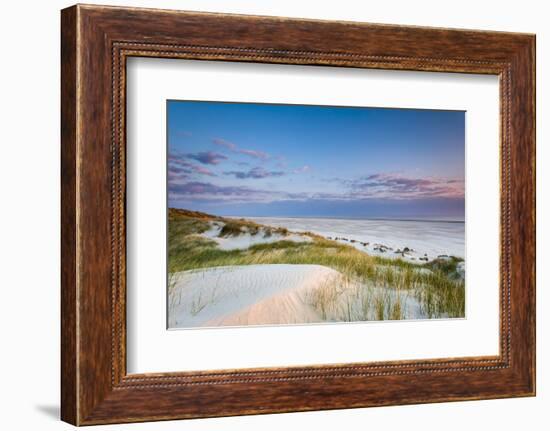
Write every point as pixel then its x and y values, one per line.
pixel 425 237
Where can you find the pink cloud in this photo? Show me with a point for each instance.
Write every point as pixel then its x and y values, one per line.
pixel 207 157
pixel 255 173
pixel 397 186
pixel 179 168
pixel 236 149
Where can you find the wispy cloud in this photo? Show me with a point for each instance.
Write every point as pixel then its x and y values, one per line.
pixel 181 168
pixel 255 173
pixel 206 191
pixel 201 188
pixel 302 169
pixel 207 157
pixel 397 186
pixel 236 149
pixel 255 153
pixel 226 144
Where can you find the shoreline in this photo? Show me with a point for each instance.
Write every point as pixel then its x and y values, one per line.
pixel 352 219
pixel 237 217
pixel 385 238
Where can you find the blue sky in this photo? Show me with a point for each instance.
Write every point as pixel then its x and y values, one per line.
pixel 294 160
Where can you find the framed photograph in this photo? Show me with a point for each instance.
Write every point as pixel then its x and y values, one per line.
pixel 295 229
pixel 265 215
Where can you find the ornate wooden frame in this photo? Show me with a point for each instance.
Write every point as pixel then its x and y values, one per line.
pixel 95 42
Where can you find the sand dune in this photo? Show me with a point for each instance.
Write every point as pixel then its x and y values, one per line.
pixel 265 295
pixel 245 295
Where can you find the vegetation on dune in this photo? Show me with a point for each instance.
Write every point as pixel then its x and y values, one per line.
pixel 435 285
pixel 177 213
pixel 234 227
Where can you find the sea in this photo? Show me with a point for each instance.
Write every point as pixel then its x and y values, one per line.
pixel 426 238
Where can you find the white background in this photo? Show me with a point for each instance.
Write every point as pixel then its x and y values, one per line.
pixel 151 348
pixel 29 228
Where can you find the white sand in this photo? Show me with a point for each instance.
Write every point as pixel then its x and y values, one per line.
pixel 246 239
pixel 257 295
pixel 245 295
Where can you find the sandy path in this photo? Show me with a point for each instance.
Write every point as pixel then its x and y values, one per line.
pixel 246 295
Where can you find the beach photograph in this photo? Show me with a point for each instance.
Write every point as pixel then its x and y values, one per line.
pixel 306 214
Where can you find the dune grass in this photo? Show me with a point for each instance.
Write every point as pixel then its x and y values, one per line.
pixel 434 284
pixel 344 299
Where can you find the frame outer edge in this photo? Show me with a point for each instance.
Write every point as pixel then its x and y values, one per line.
pixel 523 208
pixel 87 397
pixel 532 82
pixel 69 202
pixel 533 54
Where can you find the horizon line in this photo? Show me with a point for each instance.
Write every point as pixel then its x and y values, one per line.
pixel 355 218
pixel 332 217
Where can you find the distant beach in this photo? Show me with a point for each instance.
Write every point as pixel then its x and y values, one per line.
pixel 426 237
